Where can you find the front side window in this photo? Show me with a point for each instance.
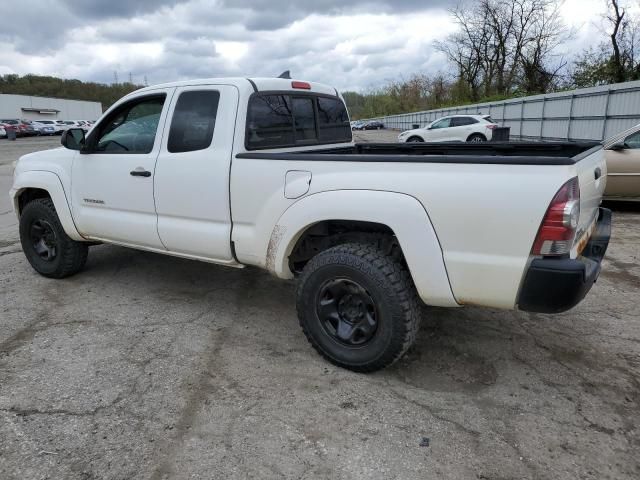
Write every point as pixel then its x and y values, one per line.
pixel 194 120
pixel 633 140
pixel 444 123
pixel 130 129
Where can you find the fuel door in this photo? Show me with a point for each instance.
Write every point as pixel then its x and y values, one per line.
pixel 296 183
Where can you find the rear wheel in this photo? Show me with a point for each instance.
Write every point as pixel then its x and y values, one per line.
pixel 477 138
pixel 47 247
pixel 357 307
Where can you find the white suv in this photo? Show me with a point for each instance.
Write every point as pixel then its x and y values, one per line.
pixel 455 128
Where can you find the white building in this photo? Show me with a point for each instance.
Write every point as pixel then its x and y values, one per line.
pixel 43 108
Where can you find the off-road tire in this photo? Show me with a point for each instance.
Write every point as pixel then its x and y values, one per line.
pixel 390 287
pixel 70 255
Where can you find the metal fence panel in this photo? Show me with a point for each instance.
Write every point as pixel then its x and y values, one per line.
pixel 592 113
pixel 557 108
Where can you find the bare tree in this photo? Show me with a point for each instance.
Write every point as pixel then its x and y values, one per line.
pixel 541 66
pixel 616 59
pixel 505 45
pixel 616 18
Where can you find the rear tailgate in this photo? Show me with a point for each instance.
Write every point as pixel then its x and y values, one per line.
pixel 592 176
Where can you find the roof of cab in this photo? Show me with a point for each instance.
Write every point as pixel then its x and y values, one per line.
pixel 261 83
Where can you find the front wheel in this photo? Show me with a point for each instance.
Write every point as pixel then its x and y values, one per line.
pixel 47 247
pixel 358 307
pixel 414 140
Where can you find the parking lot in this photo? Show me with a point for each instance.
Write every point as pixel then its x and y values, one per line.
pixel 148 366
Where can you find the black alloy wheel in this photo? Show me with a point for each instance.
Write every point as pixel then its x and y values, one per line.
pixel 347 312
pixel 43 240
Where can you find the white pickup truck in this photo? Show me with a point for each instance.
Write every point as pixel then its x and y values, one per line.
pixel 264 172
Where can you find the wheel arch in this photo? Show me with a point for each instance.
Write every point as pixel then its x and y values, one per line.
pixel 477 134
pixel 42 184
pixel 378 211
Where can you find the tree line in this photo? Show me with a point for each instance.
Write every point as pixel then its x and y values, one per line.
pixel 510 48
pixel 47 86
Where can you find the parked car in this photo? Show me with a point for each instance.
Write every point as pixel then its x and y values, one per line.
pixel 365 229
pixel 13 124
pixel 57 129
pixel 622 152
pixel 28 130
pixel 357 125
pixel 454 128
pixel 3 132
pixel 83 124
pixel 43 128
pixel 373 125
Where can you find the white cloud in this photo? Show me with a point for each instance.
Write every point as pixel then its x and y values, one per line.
pixel 350 45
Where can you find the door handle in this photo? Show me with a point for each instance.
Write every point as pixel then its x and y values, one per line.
pixel 140 172
pixel 597 173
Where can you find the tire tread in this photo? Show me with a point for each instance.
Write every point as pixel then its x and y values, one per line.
pixel 364 256
pixel 74 254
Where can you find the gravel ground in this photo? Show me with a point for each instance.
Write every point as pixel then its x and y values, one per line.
pixel 147 366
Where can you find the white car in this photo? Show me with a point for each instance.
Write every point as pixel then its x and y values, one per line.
pixel 3 132
pixel 57 129
pixel 263 172
pixel 454 128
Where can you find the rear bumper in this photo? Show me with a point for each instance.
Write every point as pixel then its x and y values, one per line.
pixel 555 285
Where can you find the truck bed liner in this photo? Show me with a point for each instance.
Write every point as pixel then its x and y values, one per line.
pixel 495 153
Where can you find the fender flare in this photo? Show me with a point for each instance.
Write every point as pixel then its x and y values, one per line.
pixel 402 213
pixel 50 182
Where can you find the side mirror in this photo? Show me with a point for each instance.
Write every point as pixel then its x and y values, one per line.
pixel 73 139
pixel 619 145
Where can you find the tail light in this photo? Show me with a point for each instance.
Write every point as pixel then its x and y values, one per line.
pixel 558 229
pixel 491 126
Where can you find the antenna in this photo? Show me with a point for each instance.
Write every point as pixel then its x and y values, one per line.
pixel 285 74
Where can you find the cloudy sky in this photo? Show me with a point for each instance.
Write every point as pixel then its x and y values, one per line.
pixel 352 44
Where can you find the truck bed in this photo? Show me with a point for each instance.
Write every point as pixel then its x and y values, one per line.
pixel 495 153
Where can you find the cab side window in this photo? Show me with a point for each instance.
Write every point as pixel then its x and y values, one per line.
pixel 130 129
pixel 194 120
pixel 633 140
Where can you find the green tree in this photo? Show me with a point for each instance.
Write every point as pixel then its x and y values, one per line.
pixel 47 86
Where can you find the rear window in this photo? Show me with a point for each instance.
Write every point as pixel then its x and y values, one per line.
pixel 284 120
pixel 333 120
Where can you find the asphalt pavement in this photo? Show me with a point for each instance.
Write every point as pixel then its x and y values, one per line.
pixel 152 367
